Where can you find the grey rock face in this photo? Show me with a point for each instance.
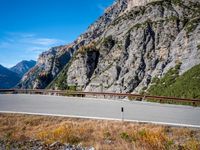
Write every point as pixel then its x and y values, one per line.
pixel 134 3
pixel 52 62
pixel 125 48
pixel 140 44
pixel 82 68
pixel 48 66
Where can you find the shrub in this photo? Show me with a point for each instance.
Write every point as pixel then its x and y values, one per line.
pixel 161 84
pixel 192 144
pixel 198 46
pixel 176 2
pixel 184 86
pixel 87 48
pixel 62 134
pixel 192 25
pixel 153 139
pixel 142 133
pixel 109 42
pixel 125 136
pixel 45 78
pixel 107 135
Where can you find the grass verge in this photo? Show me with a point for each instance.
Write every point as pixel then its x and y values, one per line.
pixel 97 133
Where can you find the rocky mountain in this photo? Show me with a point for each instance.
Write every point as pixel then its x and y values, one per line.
pixel 8 79
pixel 126 49
pixel 22 67
pixel 49 64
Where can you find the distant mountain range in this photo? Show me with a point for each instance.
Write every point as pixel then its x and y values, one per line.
pixel 22 67
pixel 11 77
pixel 8 78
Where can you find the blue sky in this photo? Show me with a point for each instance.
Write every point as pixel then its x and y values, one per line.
pixel 29 27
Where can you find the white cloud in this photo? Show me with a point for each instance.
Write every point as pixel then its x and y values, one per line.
pixel 36 49
pixel 15 47
pixel 28 40
pixel 43 41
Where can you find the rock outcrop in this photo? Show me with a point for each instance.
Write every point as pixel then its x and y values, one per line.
pixel 48 66
pixel 138 45
pixel 133 42
pixel 134 3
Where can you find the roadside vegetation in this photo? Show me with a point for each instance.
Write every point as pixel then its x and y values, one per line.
pixel 96 133
pixel 175 85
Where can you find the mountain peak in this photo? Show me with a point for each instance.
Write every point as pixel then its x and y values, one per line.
pixel 8 79
pixel 22 67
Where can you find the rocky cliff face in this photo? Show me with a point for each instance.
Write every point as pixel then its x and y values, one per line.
pixel 134 3
pixel 130 45
pixel 48 66
pixel 140 44
pixel 52 62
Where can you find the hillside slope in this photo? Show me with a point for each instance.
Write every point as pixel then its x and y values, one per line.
pixel 8 79
pixel 184 86
pixel 48 66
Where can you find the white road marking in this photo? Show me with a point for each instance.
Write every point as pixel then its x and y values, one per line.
pixel 102 118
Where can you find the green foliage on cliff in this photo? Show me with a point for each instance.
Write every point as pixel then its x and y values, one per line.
pixel 87 48
pixel 60 81
pixel 108 42
pixel 192 25
pixel 198 46
pixel 184 86
pixel 176 2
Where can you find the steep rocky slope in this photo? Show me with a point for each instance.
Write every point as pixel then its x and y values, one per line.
pixel 8 79
pixel 50 63
pixel 131 44
pixel 22 67
pixel 143 42
pixel 48 66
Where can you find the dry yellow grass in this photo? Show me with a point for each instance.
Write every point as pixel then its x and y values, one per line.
pixel 98 133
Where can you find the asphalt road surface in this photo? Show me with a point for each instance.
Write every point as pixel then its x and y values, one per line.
pixel 101 109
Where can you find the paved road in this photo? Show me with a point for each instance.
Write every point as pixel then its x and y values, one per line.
pixel 101 109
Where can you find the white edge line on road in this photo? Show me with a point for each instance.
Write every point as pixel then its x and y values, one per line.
pixel 102 118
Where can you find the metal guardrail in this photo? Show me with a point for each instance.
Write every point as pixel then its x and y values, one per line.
pixel 75 93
